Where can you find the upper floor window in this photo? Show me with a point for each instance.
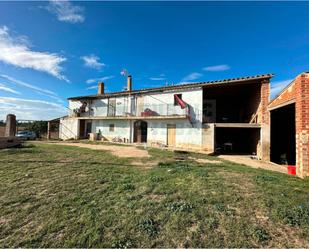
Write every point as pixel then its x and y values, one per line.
pixel 175 98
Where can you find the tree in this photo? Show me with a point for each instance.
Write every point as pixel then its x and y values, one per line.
pixel 39 127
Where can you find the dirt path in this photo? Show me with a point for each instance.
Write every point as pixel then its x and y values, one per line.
pixel 254 163
pixel 120 151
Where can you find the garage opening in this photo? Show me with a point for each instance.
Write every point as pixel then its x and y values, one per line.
pixel 242 141
pixel 283 135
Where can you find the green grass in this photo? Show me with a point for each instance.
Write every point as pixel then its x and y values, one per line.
pixel 62 196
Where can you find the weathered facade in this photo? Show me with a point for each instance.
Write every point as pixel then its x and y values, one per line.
pixel 228 115
pixel 290 125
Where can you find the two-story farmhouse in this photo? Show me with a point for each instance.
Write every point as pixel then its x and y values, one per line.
pixel 226 115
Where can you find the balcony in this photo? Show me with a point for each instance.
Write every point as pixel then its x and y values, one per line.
pixel 136 112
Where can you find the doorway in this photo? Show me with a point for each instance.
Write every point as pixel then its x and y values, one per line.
pixel 171 135
pixel 283 135
pixel 82 126
pixel 140 132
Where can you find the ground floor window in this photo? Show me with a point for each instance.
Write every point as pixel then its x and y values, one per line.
pixel 112 127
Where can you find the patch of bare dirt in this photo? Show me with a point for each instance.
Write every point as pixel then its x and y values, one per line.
pixel 246 160
pixel 156 198
pixel 205 161
pixel 120 151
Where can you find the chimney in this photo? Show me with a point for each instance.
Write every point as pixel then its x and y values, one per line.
pixel 100 88
pixel 129 83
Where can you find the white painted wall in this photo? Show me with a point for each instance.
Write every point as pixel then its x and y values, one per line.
pixel 186 135
pixel 68 128
pixel 121 130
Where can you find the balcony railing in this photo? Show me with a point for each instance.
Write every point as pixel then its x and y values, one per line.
pixel 145 110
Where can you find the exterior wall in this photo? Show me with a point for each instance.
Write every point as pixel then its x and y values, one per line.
pixel 121 128
pixel 208 138
pixel 68 128
pixel 186 137
pixel 302 125
pixel 298 92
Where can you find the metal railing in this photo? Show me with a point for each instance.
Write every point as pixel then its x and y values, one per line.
pixel 144 110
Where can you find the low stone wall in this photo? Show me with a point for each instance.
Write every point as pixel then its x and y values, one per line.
pixel 7 142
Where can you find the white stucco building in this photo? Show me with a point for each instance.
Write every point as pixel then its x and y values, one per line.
pixel 205 116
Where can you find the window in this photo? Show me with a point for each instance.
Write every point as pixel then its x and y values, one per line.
pixel 111 127
pixel 175 99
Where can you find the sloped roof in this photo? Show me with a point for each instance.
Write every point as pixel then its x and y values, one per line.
pixel 248 79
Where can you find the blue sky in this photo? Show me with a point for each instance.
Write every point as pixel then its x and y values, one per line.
pixel 53 50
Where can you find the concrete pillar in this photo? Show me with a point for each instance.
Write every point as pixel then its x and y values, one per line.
pixel 10 127
pixel 264 120
pixel 208 135
pixel 48 130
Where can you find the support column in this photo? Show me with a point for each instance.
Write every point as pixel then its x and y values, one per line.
pixel 264 119
pixel 48 130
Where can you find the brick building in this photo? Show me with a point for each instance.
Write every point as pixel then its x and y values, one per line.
pixel 290 125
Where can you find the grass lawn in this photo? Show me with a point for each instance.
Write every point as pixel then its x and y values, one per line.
pixel 62 196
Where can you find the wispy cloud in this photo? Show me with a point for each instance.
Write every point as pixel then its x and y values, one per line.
pixel 105 78
pixel 192 76
pixel 217 68
pixel 16 51
pixel 92 61
pixel 277 86
pixel 157 78
pixel 92 87
pixel 36 89
pixel 30 108
pixel 8 89
pixel 66 11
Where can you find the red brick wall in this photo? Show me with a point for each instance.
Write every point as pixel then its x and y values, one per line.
pixel 2 131
pixel 302 125
pixel 299 91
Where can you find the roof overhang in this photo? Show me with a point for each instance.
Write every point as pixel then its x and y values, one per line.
pixel 243 80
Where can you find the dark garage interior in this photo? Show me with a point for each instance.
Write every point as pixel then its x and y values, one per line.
pixel 283 137
pixel 237 140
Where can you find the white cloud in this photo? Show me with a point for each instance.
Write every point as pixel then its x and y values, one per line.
pixel 277 86
pixel 66 11
pixel 157 78
pixel 7 89
pixel 27 85
pixel 217 68
pixel 30 109
pixel 92 61
pixel 192 76
pixel 105 78
pixel 16 51
pixel 91 87
pixel 36 89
